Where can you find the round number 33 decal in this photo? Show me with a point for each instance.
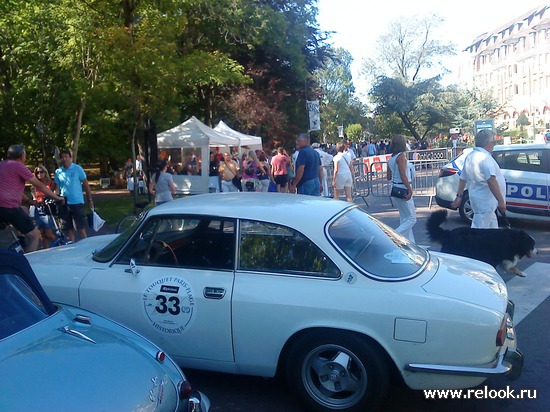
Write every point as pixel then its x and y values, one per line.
pixel 174 305
pixel 169 305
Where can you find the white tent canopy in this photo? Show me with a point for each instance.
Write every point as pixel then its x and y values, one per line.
pixel 253 142
pixel 194 133
pixel 187 148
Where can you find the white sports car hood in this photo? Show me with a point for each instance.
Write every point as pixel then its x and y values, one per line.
pixel 468 280
pixel 74 253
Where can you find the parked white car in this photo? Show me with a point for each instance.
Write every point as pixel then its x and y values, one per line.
pixel 313 288
pixel 526 168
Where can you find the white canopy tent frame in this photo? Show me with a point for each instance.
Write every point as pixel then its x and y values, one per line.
pixel 187 139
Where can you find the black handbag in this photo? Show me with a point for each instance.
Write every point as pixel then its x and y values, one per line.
pixel 399 192
pixel 237 182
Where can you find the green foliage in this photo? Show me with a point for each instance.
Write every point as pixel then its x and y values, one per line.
pixel 354 132
pixel 419 105
pixel 339 106
pixel 91 72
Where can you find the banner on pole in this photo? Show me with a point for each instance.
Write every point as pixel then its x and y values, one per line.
pixel 314 115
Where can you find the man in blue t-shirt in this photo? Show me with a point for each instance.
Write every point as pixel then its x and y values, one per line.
pixel 309 171
pixel 69 179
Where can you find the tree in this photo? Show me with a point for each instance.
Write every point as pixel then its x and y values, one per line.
pixel 91 73
pixel 408 50
pixel 403 55
pixel 468 105
pixel 280 45
pixel 419 105
pixel 339 105
pixel 354 132
pixel 522 121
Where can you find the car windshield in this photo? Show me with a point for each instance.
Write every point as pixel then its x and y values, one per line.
pixel 375 248
pixel 111 249
pixel 19 306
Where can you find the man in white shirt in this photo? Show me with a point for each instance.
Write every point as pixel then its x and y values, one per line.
pixel 486 184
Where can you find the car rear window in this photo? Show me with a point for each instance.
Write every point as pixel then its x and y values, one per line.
pixel 375 248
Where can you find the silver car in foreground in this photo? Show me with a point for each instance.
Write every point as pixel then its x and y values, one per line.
pixel 62 358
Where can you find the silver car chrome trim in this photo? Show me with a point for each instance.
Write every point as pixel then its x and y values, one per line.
pixel 509 363
pixel 213 292
pixel 76 333
pixel 194 404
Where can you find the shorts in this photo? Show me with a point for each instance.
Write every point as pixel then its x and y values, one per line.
pixel 18 218
pixel 342 180
pixel 71 216
pixel 281 180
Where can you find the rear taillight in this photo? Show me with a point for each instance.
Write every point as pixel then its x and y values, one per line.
pixel 447 172
pixel 184 389
pixel 501 334
pixel 161 356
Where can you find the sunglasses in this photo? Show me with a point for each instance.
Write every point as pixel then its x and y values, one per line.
pixel 39 172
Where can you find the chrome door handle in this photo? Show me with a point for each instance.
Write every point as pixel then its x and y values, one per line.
pixel 214 293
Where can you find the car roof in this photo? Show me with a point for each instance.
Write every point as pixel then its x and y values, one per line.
pixel 521 146
pixel 283 208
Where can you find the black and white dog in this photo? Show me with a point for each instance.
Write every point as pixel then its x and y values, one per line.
pixel 494 246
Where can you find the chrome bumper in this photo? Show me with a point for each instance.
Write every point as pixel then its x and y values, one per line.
pixel 509 363
pixel 197 402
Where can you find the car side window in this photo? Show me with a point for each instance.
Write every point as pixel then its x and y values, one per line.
pixel 266 247
pixel 188 241
pixel 521 160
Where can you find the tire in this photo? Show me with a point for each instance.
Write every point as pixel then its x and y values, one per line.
pixel 337 371
pixel 465 209
pixel 125 223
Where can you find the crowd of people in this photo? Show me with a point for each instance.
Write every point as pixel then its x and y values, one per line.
pixel 303 171
pixel 67 187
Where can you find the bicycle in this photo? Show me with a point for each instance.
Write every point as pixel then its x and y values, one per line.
pixel 19 242
pixel 129 220
pixel 49 207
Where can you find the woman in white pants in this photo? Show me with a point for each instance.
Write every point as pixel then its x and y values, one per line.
pixel 399 173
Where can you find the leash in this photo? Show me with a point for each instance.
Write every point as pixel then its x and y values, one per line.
pixel 505 221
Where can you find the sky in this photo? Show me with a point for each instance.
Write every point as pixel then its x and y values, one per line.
pixel 359 23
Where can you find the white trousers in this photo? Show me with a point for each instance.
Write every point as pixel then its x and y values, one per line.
pixel 485 220
pixel 407 217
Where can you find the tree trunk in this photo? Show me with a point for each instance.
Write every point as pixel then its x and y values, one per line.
pixel 77 128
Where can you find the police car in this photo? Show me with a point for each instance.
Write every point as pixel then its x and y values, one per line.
pixel 526 168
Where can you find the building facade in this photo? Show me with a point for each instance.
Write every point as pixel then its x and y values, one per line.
pixel 513 63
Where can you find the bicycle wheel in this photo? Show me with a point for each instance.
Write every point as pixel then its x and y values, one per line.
pixel 125 223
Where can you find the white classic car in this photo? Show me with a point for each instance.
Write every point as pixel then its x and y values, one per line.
pixel 313 288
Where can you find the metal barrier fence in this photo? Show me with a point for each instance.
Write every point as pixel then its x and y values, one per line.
pixel 370 174
pixel 360 183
